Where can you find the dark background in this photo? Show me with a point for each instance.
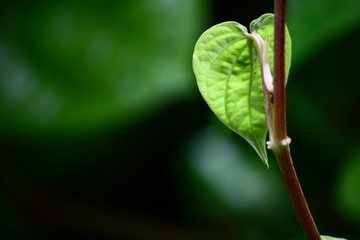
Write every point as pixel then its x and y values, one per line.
pixel 104 135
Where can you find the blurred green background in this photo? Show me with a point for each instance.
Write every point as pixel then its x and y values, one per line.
pixel 104 135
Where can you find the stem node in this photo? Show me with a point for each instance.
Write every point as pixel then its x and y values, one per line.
pixel 286 141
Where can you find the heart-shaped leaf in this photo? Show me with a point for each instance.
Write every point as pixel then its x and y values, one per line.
pixel 331 238
pixel 226 64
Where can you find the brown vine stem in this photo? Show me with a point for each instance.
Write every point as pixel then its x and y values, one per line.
pixel 281 141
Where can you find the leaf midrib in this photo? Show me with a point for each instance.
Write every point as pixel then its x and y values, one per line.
pixel 249 100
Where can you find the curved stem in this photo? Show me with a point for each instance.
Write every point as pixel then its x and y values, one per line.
pixel 281 141
pixel 267 80
pixel 296 194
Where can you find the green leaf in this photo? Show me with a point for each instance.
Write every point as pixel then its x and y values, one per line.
pixel 264 26
pixel 331 238
pixel 227 69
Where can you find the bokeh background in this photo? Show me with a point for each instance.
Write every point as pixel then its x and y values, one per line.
pixel 104 135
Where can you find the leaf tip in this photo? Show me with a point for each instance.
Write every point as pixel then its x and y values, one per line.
pixel 263 156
